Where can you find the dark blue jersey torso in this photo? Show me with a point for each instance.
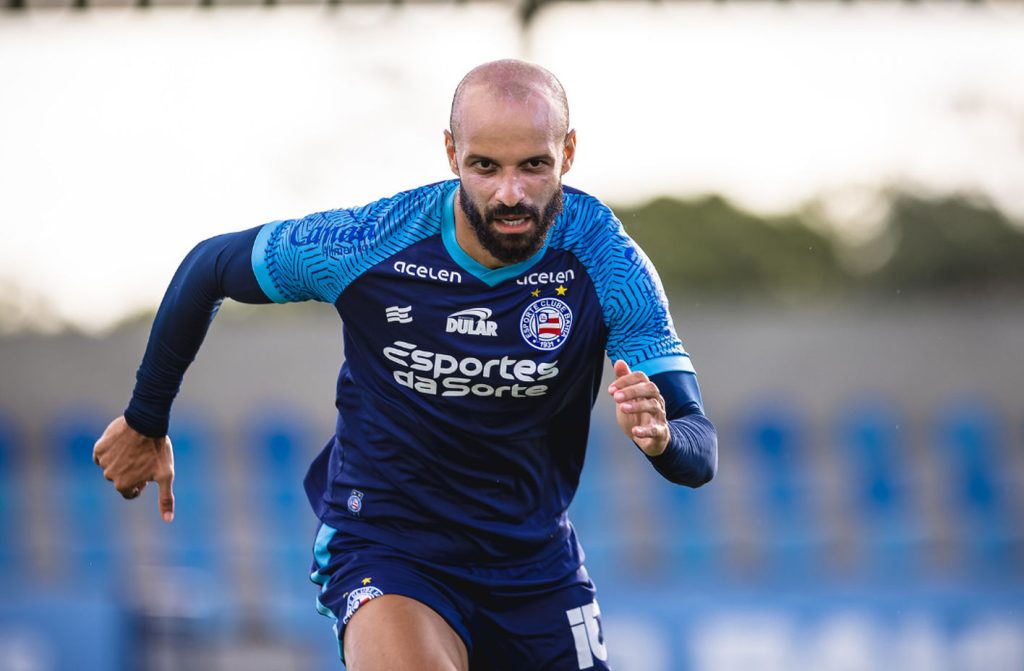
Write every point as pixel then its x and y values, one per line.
pixel 465 396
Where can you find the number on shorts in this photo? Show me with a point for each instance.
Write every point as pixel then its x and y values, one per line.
pixel 586 633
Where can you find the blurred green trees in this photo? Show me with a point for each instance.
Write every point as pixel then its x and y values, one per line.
pixel 952 244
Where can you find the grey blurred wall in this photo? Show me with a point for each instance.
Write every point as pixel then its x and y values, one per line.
pixel 817 356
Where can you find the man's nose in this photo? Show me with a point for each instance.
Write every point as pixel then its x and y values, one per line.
pixel 510 190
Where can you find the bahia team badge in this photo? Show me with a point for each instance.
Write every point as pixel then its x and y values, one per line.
pixel 355 501
pixel 357 598
pixel 545 323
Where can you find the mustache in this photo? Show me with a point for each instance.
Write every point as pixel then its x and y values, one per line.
pixel 513 211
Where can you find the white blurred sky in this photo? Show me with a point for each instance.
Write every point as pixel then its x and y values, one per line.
pixel 126 136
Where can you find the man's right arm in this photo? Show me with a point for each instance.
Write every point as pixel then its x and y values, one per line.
pixel 134 449
pixel 312 258
pixel 218 268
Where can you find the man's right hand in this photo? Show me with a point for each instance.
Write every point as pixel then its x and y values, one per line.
pixel 130 460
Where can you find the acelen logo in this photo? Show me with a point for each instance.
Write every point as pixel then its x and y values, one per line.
pixel 427 272
pixel 561 277
pixel 474 321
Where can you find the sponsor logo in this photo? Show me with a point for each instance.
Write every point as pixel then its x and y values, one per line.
pixel 355 501
pixel 474 321
pixel 331 237
pixel 436 373
pixel 357 598
pixel 427 272
pixel 398 314
pixel 561 277
pixel 545 323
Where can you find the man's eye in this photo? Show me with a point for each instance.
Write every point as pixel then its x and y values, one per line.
pixel 535 163
pixel 484 164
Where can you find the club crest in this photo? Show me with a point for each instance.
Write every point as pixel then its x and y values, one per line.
pixel 355 501
pixel 545 323
pixel 357 598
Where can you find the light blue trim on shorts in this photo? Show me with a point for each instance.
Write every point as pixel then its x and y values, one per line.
pixel 323 538
pixel 322 556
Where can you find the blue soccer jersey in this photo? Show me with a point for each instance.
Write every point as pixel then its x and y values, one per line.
pixel 465 396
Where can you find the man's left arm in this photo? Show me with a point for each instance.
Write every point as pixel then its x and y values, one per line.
pixel 657 400
pixel 663 415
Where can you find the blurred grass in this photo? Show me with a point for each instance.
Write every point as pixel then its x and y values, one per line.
pixel 952 245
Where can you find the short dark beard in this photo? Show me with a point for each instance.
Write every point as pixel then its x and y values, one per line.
pixel 511 248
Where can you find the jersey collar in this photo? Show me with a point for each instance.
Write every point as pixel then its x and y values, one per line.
pixel 489 276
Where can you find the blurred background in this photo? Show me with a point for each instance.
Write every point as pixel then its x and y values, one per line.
pixel 833 193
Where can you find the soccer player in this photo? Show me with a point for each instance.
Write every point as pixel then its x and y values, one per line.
pixel 477 315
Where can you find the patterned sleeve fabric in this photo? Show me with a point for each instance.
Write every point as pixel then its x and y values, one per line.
pixel 316 257
pixel 640 329
pixel 640 332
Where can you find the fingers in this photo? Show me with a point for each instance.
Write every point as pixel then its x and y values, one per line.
pixel 653 406
pixel 640 409
pixel 638 390
pixel 99 447
pixel 166 485
pixel 132 492
pixel 634 393
pixel 654 432
pixel 625 378
pixel 130 460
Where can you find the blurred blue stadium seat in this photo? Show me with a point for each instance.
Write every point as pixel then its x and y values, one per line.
pixel 48 627
pixel 91 538
pixel 197 538
pixel 190 576
pixel 697 536
pixel 969 435
pixel 590 510
pixel 890 535
pixel 278 445
pixel 678 536
pixel 14 550
pixel 783 485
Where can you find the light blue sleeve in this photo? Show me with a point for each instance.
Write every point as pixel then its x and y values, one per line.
pixel 635 308
pixel 318 256
pixel 313 258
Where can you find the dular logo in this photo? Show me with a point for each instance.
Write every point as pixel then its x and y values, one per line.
pixel 400 315
pixel 474 321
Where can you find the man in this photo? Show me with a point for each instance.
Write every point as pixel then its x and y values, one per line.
pixel 477 315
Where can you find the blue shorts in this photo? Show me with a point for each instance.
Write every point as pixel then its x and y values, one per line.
pixel 555 627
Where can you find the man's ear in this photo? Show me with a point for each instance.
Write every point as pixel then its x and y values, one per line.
pixel 568 150
pixel 449 147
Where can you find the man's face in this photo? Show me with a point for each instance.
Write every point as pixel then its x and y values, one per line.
pixel 510 158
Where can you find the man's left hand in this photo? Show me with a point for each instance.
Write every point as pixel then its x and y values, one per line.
pixel 640 409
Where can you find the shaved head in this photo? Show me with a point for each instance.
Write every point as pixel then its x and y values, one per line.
pixel 512 81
